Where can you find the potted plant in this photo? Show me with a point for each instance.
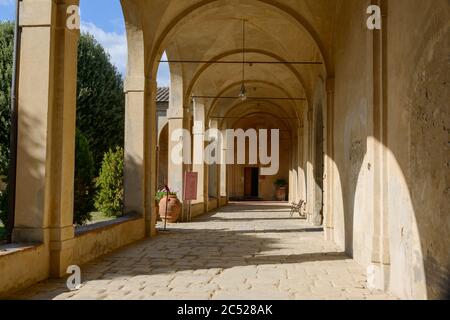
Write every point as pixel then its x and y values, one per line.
pixel 280 191
pixel 168 203
pixel 159 195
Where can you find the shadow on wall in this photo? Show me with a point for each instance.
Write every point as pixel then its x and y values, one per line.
pixel 447 297
pixel 355 178
pixel 31 174
pixel 318 168
pixel 429 181
pixel 419 175
pixel 133 185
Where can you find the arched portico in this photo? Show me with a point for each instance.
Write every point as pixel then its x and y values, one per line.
pixel 327 84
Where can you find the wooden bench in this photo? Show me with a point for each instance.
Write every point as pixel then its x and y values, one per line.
pixel 298 208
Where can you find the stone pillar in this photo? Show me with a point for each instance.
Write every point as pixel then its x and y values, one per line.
pixel 46 130
pixel 329 164
pixel 179 134
pixel 301 166
pixel 218 181
pixel 309 165
pixel 379 268
pixel 223 167
pixel 293 183
pixel 134 145
pixel 198 152
pixel 140 130
pixel 150 157
pixel 175 168
pixel 213 169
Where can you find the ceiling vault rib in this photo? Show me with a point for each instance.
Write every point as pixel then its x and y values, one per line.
pixel 250 98
pixel 250 116
pixel 240 62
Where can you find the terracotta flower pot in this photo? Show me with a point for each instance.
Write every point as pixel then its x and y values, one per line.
pixel 173 209
pixel 158 216
pixel 280 193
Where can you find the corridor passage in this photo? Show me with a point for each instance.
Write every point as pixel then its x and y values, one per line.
pixel 243 251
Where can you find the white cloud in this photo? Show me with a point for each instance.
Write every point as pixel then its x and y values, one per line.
pixel 115 44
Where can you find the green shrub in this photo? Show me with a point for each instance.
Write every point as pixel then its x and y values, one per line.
pixel 281 183
pixel 84 188
pixel 109 198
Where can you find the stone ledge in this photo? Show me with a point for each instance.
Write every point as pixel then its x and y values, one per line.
pixel 12 248
pixel 22 265
pixel 96 240
pixel 101 226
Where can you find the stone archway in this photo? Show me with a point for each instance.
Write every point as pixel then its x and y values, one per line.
pixel 367 158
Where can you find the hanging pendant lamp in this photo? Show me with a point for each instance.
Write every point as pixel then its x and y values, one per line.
pixel 243 91
pixel 243 96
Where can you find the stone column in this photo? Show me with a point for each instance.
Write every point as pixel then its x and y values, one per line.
pixel 179 151
pixel 46 130
pixel 140 150
pixel 218 172
pixel 198 152
pixel 293 183
pixel 329 164
pixel 179 133
pixel 134 145
pixel 301 167
pixel 150 157
pixel 213 169
pixel 379 268
pixel 309 167
pixel 223 167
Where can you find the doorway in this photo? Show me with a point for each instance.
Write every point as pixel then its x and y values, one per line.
pixel 251 183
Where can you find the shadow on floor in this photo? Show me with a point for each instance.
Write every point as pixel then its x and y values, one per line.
pixel 233 208
pixel 252 219
pixel 185 248
pixel 192 249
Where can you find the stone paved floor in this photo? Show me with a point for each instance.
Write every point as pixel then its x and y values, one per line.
pixel 244 251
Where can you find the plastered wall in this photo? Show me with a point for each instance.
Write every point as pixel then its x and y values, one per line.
pixel 417 94
pixel 352 105
pixel 418 135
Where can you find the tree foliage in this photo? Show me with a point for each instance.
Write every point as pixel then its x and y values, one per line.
pixel 84 187
pixel 109 198
pixel 3 207
pixel 100 99
pixel 6 65
pixel 100 115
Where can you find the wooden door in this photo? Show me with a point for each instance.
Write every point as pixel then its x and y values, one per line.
pixel 247 182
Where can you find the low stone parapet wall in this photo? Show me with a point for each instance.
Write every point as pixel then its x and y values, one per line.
pixel 22 265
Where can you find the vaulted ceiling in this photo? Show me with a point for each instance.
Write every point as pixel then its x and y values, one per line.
pixel 279 32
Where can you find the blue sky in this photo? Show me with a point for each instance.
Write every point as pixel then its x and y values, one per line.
pixel 104 20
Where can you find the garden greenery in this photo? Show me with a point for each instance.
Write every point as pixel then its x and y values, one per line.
pixel 109 197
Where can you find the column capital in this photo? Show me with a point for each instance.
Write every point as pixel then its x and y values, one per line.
pixel 36 13
pixel 175 113
pixel 134 84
